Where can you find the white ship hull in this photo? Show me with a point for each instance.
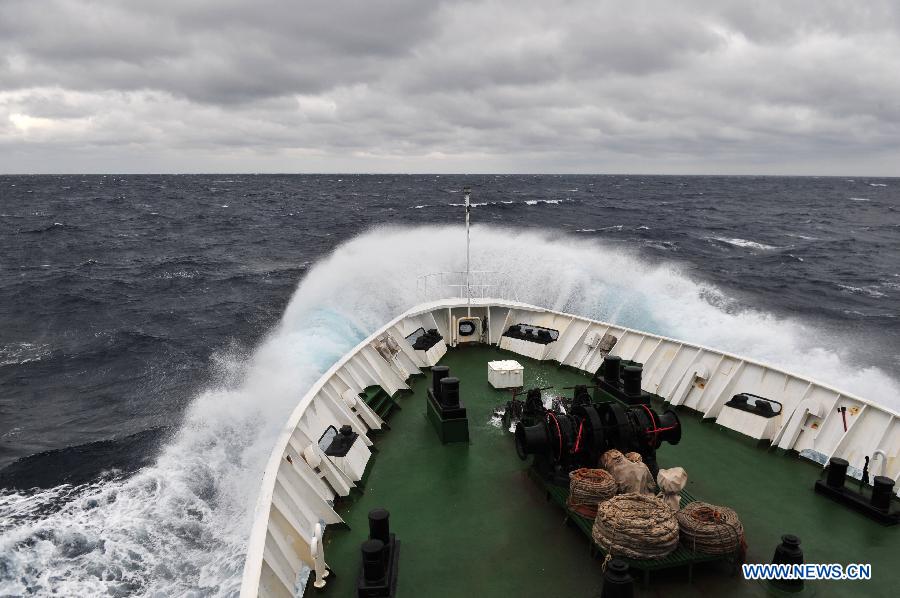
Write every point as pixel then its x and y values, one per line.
pixel 294 496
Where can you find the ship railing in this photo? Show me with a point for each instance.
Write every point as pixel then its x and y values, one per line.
pixel 481 284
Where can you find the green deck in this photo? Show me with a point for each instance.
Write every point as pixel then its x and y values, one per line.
pixel 473 523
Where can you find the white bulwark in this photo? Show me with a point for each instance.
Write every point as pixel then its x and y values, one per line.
pixel 300 483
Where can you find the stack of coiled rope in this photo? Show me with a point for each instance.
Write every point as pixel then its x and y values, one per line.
pixel 710 529
pixel 636 526
pixel 588 488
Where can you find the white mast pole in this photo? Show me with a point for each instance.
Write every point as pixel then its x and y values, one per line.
pixel 467 191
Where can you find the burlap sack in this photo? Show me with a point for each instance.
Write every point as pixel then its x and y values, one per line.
pixel 629 476
pixel 671 482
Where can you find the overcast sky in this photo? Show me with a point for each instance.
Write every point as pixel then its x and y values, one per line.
pixel 416 86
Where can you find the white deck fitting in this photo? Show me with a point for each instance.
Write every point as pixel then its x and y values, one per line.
pixel 297 491
pixel 507 373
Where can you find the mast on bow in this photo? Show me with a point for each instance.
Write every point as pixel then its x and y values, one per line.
pixel 467 192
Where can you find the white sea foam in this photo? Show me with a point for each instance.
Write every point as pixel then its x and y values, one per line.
pixel 594 230
pixel 179 527
pixel 664 245
pixel 744 243
pixel 19 353
pixel 871 291
pixel 179 274
pixel 534 202
pixel 858 199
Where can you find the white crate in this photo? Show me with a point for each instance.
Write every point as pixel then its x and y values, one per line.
pixel 506 374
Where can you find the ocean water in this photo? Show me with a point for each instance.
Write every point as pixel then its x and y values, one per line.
pixel 156 330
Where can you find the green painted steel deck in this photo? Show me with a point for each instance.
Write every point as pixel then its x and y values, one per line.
pixel 474 523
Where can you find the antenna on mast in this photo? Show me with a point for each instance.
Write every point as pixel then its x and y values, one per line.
pixel 467 192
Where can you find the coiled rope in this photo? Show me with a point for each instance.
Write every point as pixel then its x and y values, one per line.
pixel 711 529
pixel 636 526
pixel 588 488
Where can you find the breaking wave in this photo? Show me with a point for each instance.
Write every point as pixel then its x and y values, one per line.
pixel 21 353
pixel 744 243
pixel 179 525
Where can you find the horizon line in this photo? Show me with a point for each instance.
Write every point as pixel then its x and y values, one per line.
pixel 438 174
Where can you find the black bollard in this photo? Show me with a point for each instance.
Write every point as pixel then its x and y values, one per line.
pixel 377 576
pixel 788 553
pixel 450 392
pixel 837 471
pixel 438 373
pixel 631 380
pixel 882 491
pixel 617 582
pixel 612 365
pixel 373 562
pixel 379 525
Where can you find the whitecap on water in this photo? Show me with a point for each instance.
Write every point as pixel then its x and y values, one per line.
pixel 736 242
pixel 19 353
pixel 871 291
pixel 534 202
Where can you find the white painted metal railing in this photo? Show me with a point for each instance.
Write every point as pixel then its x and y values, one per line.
pixel 482 284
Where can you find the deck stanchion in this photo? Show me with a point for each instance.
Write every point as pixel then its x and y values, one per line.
pixel 317 550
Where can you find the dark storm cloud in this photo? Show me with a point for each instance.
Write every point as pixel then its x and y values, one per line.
pixel 483 85
pixel 217 52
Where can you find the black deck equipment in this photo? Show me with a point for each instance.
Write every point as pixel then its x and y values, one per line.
pixel 563 442
pixel 788 553
pixel 380 559
pixel 444 409
pixel 617 581
pixel 878 507
pixel 622 380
